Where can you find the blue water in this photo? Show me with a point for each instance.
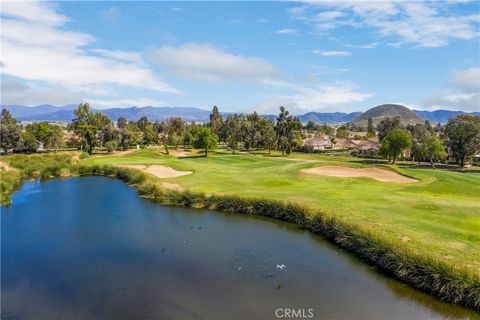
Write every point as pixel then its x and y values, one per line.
pixel 90 248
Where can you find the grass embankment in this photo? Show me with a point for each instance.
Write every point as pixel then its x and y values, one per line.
pixel 425 234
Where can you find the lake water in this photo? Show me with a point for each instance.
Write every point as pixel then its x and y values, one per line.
pixel 90 248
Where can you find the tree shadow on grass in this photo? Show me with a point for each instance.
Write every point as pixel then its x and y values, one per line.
pixel 191 157
pixel 446 167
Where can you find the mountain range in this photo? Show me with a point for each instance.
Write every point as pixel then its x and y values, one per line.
pixel 46 112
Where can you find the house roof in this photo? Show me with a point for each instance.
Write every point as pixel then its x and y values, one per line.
pixel 318 140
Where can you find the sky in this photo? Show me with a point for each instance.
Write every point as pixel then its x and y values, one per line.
pixel 323 56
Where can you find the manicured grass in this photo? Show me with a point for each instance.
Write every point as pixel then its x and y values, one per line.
pixel 438 217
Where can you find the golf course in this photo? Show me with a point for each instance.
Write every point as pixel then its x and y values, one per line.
pixel 438 216
pixel 420 225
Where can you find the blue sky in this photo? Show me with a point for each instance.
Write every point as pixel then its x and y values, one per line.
pixel 243 56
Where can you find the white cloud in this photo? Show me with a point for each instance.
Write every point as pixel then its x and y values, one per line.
pixel 36 48
pixel 312 96
pixel 467 80
pixel 457 97
pixel 43 13
pixel 277 83
pixel 112 14
pixel 363 46
pixel 15 92
pixel 463 92
pixel 124 103
pixel 419 23
pixel 328 15
pixel 287 31
pixel 332 53
pixel 126 56
pixel 452 101
pixel 328 95
pixel 271 105
pixel 205 62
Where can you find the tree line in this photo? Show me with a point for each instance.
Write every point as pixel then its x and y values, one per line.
pixel 459 139
pixel 29 138
pixel 92 130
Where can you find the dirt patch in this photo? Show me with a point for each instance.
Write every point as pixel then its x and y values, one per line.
pixel 157 170
pixel 171 186
pixel 373 173
pixel 6 166
pixel 178 154
pixel 125 152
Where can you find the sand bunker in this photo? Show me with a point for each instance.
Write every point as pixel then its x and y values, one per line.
pixel 157 170
pixel 347 172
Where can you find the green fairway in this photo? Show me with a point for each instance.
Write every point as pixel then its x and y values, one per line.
pixel 439 216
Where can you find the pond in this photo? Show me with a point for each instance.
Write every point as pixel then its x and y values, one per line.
pixel 90 248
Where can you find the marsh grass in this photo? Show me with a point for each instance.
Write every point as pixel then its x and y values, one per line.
pixel 9 182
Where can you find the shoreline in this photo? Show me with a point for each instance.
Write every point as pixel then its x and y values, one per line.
pixel 437 278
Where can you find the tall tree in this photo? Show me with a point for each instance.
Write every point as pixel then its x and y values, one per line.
pixel 205 139
pixel 29 142
pixel 419 134
pixel 386 125
pixel 142 123
pixel 288 131
pixel 370 128
pixel 311 126
pixel 54 139
pixel 232 131
pixel 150 135
pixel 463 137
pixel 122 122
pixel 268 134
pixel 10 132
pixel 187 139
pixel 87 123
pixel 130 135
pixel 434 149
pixel 251 128
pixel 216 120
pixel 396 142
pixel 38 129
pixel 148 132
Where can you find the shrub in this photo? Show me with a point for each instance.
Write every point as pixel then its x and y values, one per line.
pixel 111 146
pixel 84 155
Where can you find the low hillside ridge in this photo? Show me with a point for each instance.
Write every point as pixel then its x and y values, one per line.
pixel 378 113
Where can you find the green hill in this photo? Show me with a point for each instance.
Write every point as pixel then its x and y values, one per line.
pixel 377 113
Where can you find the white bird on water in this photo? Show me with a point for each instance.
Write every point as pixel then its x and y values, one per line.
pixel 281 267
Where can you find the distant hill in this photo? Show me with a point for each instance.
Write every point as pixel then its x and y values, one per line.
pixel 378 113
pixel 24 111
pixel 158 113
pixel 328 117
pixel 65 113
pixel 47 112
pixel 440 116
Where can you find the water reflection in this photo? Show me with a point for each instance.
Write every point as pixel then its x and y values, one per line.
pixel 89 248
